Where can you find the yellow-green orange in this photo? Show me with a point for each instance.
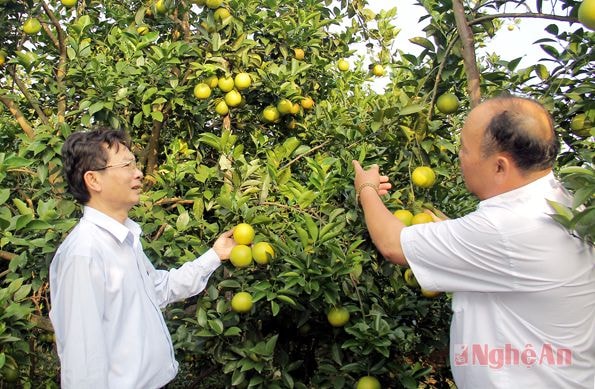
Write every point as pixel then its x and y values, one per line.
pixel 226 84
pixel 378 70
pixel 271 114
pixel 423 176
pixel 338 316
pixel 242 81
pixel 421 218
pixel 241 256
pixel 586 14
pixel 343 65
pixel 160 6
pixel 233 98
pixel 307 103
pixel 2 58
pixel 214 4
pixel 299 54
pixel 262 253
pixel 404 216
pixel 241 302
pixel 221 108
pixel 284 106
pixel 202 91
pixel 212 81
pixel 447 103
pixel 409 278
pixel 31 26
pixel 243 233
pixel 430 293
pixel 221 13
pixel 142 30
pixel 68 3
pixel 368 382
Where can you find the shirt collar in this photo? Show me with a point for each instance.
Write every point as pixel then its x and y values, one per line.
pixel 118 230
pixel 541 185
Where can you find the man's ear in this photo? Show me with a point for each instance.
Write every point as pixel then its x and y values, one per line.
pixel 503 167
pixel 92 181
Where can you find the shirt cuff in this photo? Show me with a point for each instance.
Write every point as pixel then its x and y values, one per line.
pixel 210 261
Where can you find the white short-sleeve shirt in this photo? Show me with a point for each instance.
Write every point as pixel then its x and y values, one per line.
pixel 524 291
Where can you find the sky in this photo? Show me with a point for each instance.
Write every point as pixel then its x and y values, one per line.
pixel 507 44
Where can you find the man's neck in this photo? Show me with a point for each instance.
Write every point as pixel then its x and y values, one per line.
pixel 118 215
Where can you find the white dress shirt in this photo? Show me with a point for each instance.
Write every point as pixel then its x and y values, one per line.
pixel 524 291
pixel 106 300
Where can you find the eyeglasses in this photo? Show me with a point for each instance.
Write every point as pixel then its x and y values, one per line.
pixel 131 165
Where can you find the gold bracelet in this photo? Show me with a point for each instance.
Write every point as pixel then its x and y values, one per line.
pixel 361 187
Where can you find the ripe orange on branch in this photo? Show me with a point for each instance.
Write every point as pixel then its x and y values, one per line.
pixel 423 176
pixel 241 302
pixel 243 233
pixel 447 103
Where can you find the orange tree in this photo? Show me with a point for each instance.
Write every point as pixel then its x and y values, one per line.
pixel 212 162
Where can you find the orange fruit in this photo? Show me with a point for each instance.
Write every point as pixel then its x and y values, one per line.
pixel 271 114
pixel 243 233
pixel 423 176
pixel 368 382
pixel 242 81
pixel 447 103
pixel 378 70
pixel 262 253
pixel 299 54
pixel 343 65
pixel 225 84
pixel 586 14
pixel 404 216
pixel 421 218
pixel 202 91
pixel 307 103
pixel 430 293
pixel 338 316
pixel 31 26
pixel 284 106
pixel 241 302
pixel 241 256
pixel 221 108
pixel 233 98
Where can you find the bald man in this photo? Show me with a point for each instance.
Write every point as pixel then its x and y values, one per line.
pixel 523 288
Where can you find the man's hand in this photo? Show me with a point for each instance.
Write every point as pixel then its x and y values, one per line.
pixel 371 176
pixel 224 244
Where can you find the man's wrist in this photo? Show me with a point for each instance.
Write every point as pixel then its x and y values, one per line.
pixel 363 186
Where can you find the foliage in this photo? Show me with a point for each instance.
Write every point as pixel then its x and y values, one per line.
pixel 292 180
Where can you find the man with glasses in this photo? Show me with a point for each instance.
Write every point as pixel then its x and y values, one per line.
pixel 106 295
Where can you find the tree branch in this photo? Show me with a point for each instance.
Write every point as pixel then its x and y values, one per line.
pixel 18 115
pixel 536 15
pixel 6 255
pixel 469 59
pixel 61 69
pixel 25 91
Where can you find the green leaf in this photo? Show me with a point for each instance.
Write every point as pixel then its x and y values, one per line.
pixel 423 42
pixel 4 194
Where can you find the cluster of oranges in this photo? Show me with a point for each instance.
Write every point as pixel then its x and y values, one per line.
pixel 242 256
